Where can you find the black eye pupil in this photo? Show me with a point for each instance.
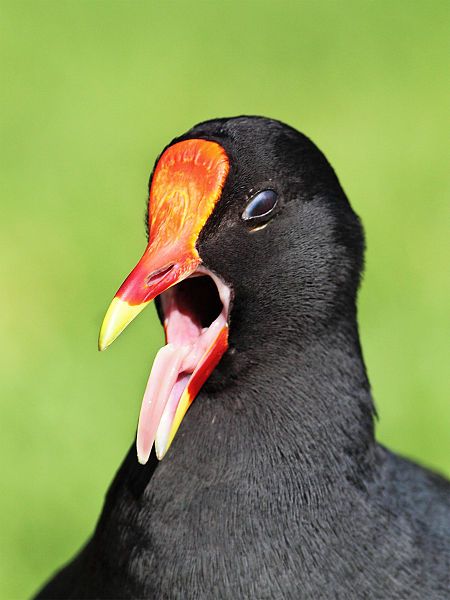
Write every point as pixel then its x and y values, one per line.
pixel 260 205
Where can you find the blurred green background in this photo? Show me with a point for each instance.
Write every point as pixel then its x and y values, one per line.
pixel 90 93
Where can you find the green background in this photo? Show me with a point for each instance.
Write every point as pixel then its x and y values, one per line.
pixel 90 93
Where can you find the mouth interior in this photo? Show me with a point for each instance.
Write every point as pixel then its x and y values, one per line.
pixel 189 308
pixel 195 313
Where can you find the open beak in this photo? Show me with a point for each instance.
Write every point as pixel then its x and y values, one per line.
pixel 186 185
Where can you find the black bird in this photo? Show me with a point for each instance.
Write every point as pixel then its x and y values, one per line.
pixel 274 486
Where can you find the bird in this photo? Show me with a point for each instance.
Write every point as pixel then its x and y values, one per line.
pixel 256 472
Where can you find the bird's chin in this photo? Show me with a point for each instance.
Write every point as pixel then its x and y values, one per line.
pixel 195 316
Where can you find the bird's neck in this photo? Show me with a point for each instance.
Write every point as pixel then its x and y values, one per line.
pixel 303 399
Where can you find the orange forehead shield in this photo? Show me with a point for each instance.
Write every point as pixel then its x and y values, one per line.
pixel 186 185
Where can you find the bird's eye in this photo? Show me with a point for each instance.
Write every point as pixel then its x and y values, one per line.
pixel 260 206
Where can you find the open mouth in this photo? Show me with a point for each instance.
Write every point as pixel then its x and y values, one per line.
pixel 187 183
pixel 195 313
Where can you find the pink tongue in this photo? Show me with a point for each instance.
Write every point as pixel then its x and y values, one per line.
pixel 165 370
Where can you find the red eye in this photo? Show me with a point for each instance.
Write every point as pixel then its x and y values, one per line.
pixel 261 205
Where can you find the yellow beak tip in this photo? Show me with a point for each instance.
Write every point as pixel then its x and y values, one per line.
pixel 117 317
pixel 106 336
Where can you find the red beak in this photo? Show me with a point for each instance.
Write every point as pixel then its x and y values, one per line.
pixel 186 185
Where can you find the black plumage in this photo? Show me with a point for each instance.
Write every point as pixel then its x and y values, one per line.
pixel 274 486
